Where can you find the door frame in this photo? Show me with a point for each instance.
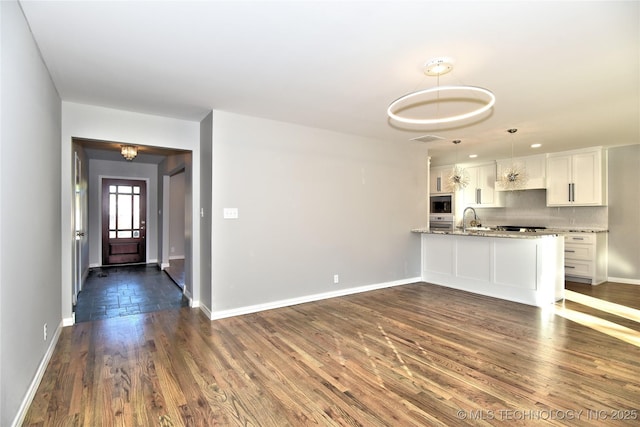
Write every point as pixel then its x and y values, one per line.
pixel 100 198
pixel 79 230
pixel 86 123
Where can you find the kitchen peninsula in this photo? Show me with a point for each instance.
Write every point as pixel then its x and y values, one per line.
pixel 524 267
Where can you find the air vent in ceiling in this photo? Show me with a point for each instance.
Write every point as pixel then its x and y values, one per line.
pixel 427 138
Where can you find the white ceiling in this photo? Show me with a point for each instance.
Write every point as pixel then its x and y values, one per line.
pixel 566 74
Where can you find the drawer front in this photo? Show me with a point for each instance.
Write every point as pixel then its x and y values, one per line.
pixel 577 268
pixel 586 238
pixel 582 252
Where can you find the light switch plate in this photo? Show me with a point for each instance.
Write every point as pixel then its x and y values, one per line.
pixel 230 213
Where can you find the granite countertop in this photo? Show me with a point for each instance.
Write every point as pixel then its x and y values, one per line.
pixel 573 229
pixel 548 230
pixel 490 233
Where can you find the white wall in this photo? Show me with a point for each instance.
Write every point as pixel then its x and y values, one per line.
pixel 177 191
pixel 86 121
pixel 170 166
pixel 30 211
pixel 312 203
pixel 624 213
pixel 110 169
pixel 206 199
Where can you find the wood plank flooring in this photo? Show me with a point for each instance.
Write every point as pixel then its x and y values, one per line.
pixel 414 355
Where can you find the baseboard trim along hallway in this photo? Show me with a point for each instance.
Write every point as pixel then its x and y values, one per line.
pixel 221 314
pixel 37 379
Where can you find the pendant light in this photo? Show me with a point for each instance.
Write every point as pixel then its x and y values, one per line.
pixel 459 177
pixel 513 177
pixel 437 67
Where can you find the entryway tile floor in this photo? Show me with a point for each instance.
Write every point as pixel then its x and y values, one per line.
pixel 117 291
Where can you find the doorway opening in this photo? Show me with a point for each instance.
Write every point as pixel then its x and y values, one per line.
pixel 176 219
pixel 122 247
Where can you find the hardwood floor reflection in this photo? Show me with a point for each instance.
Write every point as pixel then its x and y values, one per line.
pixel 418 354
pixel 619 293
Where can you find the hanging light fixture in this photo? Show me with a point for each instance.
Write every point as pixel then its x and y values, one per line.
pixel 437 67
pixel 129 152
pixel 459 177
pixel 513 177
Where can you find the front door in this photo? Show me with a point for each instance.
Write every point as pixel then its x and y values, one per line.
pixel 124 221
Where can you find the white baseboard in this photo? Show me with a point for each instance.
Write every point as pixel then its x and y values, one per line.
pixel 95 265
pixel 196 303
pixel 163 265
pixel 176 257
pixel 35 383
pixel 622 280
pixel 203 308
pixel 187 293
pixel 69 321
pixel 308 298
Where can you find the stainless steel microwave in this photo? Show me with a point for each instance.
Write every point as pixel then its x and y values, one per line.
pixel 441 204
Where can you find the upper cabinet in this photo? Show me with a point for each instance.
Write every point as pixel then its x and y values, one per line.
pixel 577 178
pixel 481 189
pixel 438 180
pixel 535 168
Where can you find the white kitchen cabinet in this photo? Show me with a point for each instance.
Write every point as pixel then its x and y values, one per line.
pixel 438 179
pixel 577 178
pixel 535 168
pixel 585 257
pixel 481 189
pixel 525 270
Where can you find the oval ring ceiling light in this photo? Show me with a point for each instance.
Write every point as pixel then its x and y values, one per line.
pixel 437 67
pixel 415 97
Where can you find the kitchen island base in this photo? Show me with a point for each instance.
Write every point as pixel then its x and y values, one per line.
pixel 525 270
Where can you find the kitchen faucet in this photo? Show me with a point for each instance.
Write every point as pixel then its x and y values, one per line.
pixel 464 213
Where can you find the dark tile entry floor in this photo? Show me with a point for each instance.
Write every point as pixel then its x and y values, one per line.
pixel 125 290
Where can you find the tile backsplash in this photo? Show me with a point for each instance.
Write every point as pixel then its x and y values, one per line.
pixel 529 207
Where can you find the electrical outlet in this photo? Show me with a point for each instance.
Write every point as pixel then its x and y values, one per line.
pixel 336 279
pixel 44 332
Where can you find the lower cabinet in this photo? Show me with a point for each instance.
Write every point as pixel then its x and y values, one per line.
pixel 585 257
pixel 524 270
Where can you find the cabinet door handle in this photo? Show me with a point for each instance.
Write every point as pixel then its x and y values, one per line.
pixel 438 184
pixel 569 266
pixel 570 251
pixel 478 196
pixel 569 192
pixel 577 238
pixel 573 192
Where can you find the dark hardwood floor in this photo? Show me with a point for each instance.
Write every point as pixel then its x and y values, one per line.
pixel 413 355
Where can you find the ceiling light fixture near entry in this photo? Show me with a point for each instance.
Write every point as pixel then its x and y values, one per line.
pixel 129 152
pixel 437 67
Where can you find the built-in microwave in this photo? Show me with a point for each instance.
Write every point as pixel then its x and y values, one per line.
pixel 441 204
